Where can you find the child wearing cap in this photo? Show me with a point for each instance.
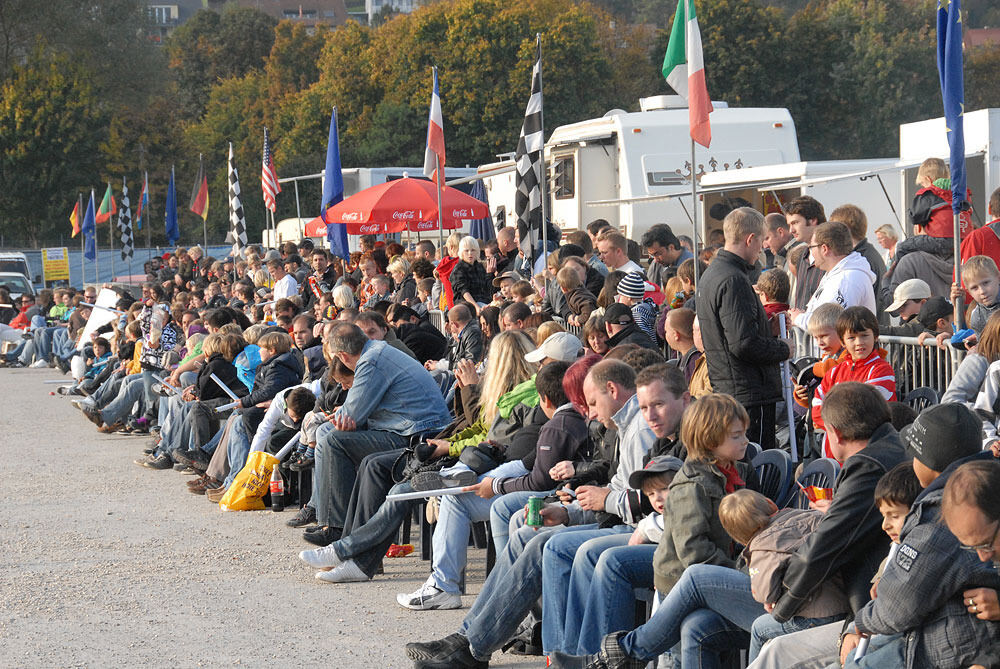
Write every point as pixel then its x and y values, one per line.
pixel 907 300
pixel 631 292
pixel 771 537
pixel 654 481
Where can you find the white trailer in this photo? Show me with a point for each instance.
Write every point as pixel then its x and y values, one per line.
pixel 622 160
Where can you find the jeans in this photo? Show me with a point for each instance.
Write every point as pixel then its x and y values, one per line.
pixel 709 606
pixel 237 450
pixel 108 390
pixel 147 389
pixel 455 518
pixel 884 650
pixel 43 341
pixel 129 393
pixel 502 513
pixel 366 543
pixel 557 569
pixel 512 588
pixel 173 425
pixel 766 628
pixel 813 648
pixel 610 603
pixel 62 346
pixel 338 455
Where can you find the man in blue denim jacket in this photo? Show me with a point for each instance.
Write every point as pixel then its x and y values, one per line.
pixel 393 398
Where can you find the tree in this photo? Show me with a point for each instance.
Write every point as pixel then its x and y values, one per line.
pixel 981 67
pixel 211 46
pixel 50 125
pixel 234 113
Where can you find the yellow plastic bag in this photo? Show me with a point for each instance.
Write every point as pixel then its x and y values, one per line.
pixel 251 484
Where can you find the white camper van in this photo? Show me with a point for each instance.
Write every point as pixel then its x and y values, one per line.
pixel 610 167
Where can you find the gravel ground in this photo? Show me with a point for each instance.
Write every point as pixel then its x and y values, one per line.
pixel 108 564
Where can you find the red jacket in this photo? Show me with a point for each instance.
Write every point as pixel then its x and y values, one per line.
pixel 984 241
pixel 873 370
pixel 932 211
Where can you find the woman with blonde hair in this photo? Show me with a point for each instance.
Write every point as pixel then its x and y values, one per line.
pixel 405 284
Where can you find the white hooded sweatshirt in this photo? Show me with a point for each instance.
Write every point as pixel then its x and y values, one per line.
pixel 850 284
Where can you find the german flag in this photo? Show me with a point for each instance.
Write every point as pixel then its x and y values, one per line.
pixel 74 218
pixel 199 194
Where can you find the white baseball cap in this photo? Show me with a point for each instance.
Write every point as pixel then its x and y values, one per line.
pixel 911 289
pixel 560 346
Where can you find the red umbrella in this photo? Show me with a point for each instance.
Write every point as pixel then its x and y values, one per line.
pixel 397 205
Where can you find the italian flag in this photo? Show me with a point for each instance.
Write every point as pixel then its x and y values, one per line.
pixel 684 70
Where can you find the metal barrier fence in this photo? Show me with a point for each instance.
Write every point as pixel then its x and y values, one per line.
pixel 916 365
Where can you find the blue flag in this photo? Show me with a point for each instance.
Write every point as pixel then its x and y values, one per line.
pixel 173 234
pixel 333 192
pixel 949 60
pixel 89 230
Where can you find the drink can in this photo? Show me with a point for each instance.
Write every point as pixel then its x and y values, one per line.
pixel 533 516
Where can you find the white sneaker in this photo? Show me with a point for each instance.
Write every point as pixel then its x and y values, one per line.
pixel 321 558
pixel 84 402
pixel 428 598
pixel 347 572
pixel 38 364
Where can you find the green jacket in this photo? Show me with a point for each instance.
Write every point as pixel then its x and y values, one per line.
pixel 692 532
pixel 513 408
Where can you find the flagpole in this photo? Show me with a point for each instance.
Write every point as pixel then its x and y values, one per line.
pixel 145 206
pixel 204 219
pixel 97 250
pixel 437 178
pixel 543 182
pixel 694 210
pixel 111 235
pixel 83 248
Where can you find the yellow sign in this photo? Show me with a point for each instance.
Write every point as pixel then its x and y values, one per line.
pixel 55 264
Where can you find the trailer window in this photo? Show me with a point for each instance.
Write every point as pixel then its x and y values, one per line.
pixel 564 178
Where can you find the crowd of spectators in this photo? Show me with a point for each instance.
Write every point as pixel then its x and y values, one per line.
pixel 631 401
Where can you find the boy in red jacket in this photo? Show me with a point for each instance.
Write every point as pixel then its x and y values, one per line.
pixel 858 331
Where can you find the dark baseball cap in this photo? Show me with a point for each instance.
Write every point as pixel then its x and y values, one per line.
pixel 933 309
pixel 943 434
pixel 618 314
pixel 658 465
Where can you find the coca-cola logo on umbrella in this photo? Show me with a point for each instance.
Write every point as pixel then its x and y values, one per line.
pixel 460 213
pixel 350 216
pixel 425 225
pixel 407 215
pixel 370 229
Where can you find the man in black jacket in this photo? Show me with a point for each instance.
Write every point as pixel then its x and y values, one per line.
pixel 742 354
pixel 621 328
pixel 419 335
pixel 467 338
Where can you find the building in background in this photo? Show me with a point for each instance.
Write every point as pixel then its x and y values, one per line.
pixel 375 7
pixel 166 16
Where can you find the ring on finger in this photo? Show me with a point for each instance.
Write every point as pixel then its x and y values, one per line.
pixel 975 608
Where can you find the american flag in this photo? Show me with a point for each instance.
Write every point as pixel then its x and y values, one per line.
pixel 528 160
pixel 269 177
pixel 125 224
pixel 237 221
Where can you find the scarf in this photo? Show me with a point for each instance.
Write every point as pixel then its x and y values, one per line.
pixel 733 480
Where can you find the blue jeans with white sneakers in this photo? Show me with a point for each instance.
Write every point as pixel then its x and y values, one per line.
pixel 455 518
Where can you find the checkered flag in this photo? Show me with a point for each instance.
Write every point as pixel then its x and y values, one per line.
pixel 125 224
pixel 528 160
pixel 237 222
